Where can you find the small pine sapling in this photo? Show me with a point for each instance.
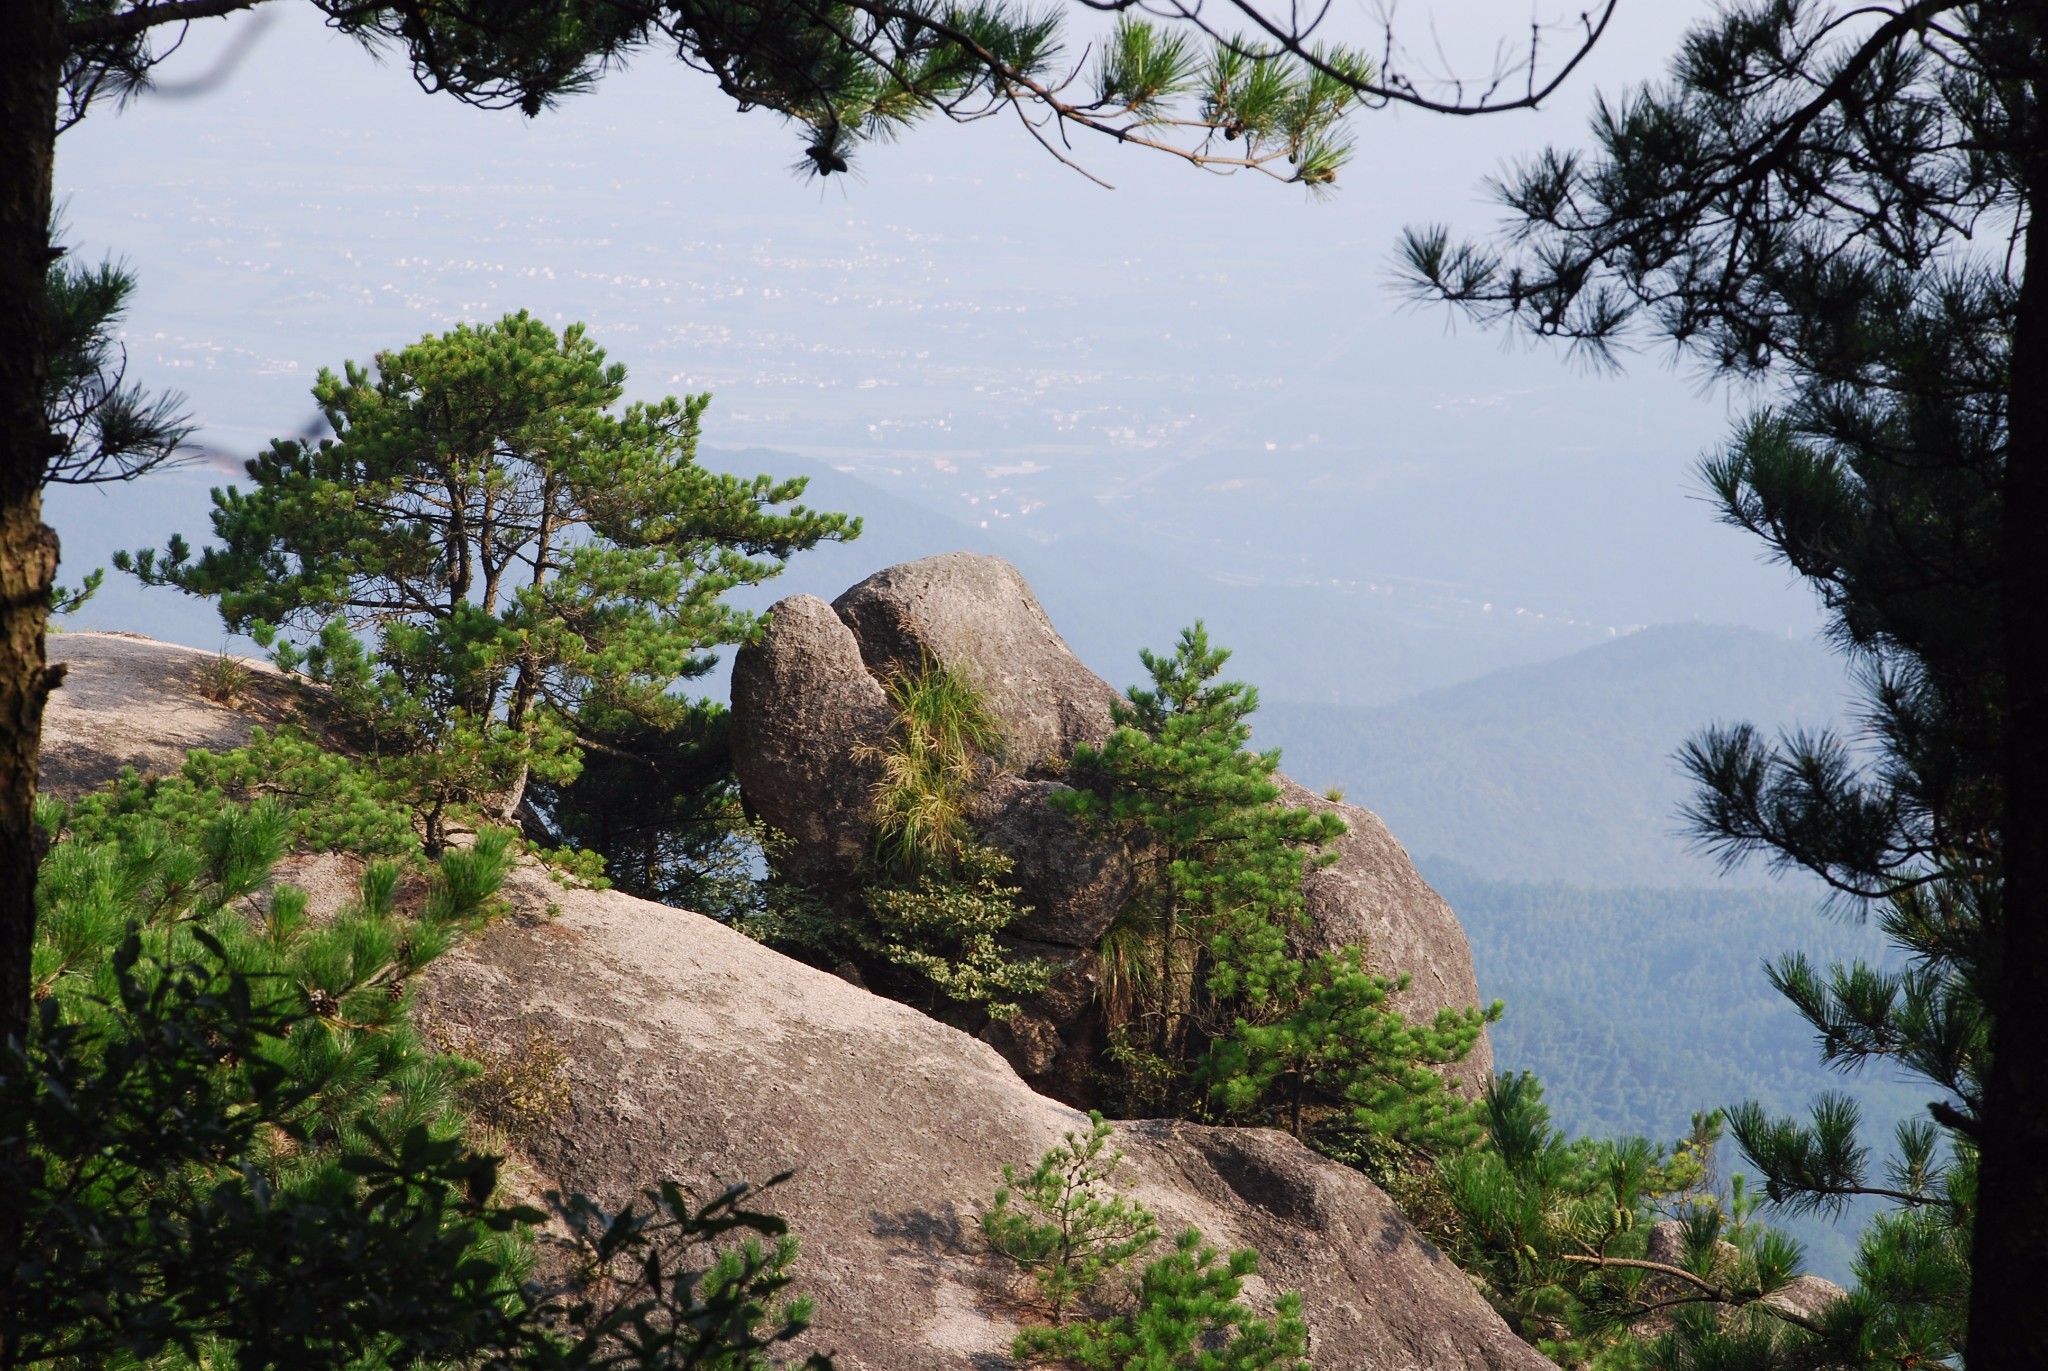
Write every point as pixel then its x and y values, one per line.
pixel 1189 1316
pixel 1065 1223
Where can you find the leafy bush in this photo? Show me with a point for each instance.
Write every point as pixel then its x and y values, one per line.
pixel 661 1285
pixel 514 1091
pixel 224 678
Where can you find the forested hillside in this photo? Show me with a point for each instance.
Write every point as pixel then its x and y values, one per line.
pixel 1639 1006
pixel 1559 770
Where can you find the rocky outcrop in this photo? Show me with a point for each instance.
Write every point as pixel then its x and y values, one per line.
pixel 976 614
pixel 798 749
pixel 802 765
pixel 698 1056
pixel 128 701
pixel 701 1056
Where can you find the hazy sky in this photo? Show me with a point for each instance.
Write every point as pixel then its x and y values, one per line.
pixel 1214 371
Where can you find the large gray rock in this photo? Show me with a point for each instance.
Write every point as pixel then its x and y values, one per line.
pixel 811 710
pixel 128 701
pixel 976 614
pixel 1073 883
pixel 799 728
pixel 702 1057
pixel 699 1056
pixel 1373 896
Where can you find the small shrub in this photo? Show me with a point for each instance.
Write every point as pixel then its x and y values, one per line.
pixel 1189 1316
pixel 1065 1223
pixel 660 1284
pixel 942 927
pixel 517 1090
pixel 224 679
pixel 1068 1227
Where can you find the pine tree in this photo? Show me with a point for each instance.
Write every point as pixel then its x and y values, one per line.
pixel 487 549
pixel 656 798
pixel 1212 1007
pixel 1068 1226
pixel 1845 203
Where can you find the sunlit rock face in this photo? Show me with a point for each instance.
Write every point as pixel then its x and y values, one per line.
pixel 695 1055
pixel 809 705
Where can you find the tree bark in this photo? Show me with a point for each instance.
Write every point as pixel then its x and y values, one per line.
pixel 2009 1260
pixel 30 59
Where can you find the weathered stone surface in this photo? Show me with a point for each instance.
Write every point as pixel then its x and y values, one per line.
pixel 98 722
pixel 1373 895
pixel 1806 1297
pixel 1074 884
pixel 803 708
pixel 975 613
pixel 700 1056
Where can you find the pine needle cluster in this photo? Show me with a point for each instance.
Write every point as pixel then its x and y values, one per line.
pixel 1213 1011
pixel 1068 1225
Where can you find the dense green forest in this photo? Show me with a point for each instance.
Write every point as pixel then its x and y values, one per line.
pixel 1639 1006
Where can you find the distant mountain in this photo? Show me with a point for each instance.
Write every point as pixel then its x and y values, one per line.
pixel 1109 598
pixel 1560 770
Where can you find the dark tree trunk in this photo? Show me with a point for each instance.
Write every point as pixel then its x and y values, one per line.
pixel 2008 1316
pixel 30 57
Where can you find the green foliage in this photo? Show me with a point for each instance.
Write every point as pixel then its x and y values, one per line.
pixel 1210 1005
pixel 1068 1227
pixel 656 806
pixel 1065 1223
pixel 1801 202
pixel 488 545
pixel 234 1137
pixel 516 1091
pixel 1340 1042
pixel 1189 1316
pixel 943 925
pixel 235 1148
pixel 661 1284
pixel 925 921
pixel 107 428
pixel 327 802
pixel 1556 1230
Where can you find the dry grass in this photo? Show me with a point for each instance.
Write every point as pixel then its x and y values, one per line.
pixel 225 679
pixel 521 1089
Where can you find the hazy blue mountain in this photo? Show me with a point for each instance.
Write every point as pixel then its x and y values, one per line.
pixel 1559 770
